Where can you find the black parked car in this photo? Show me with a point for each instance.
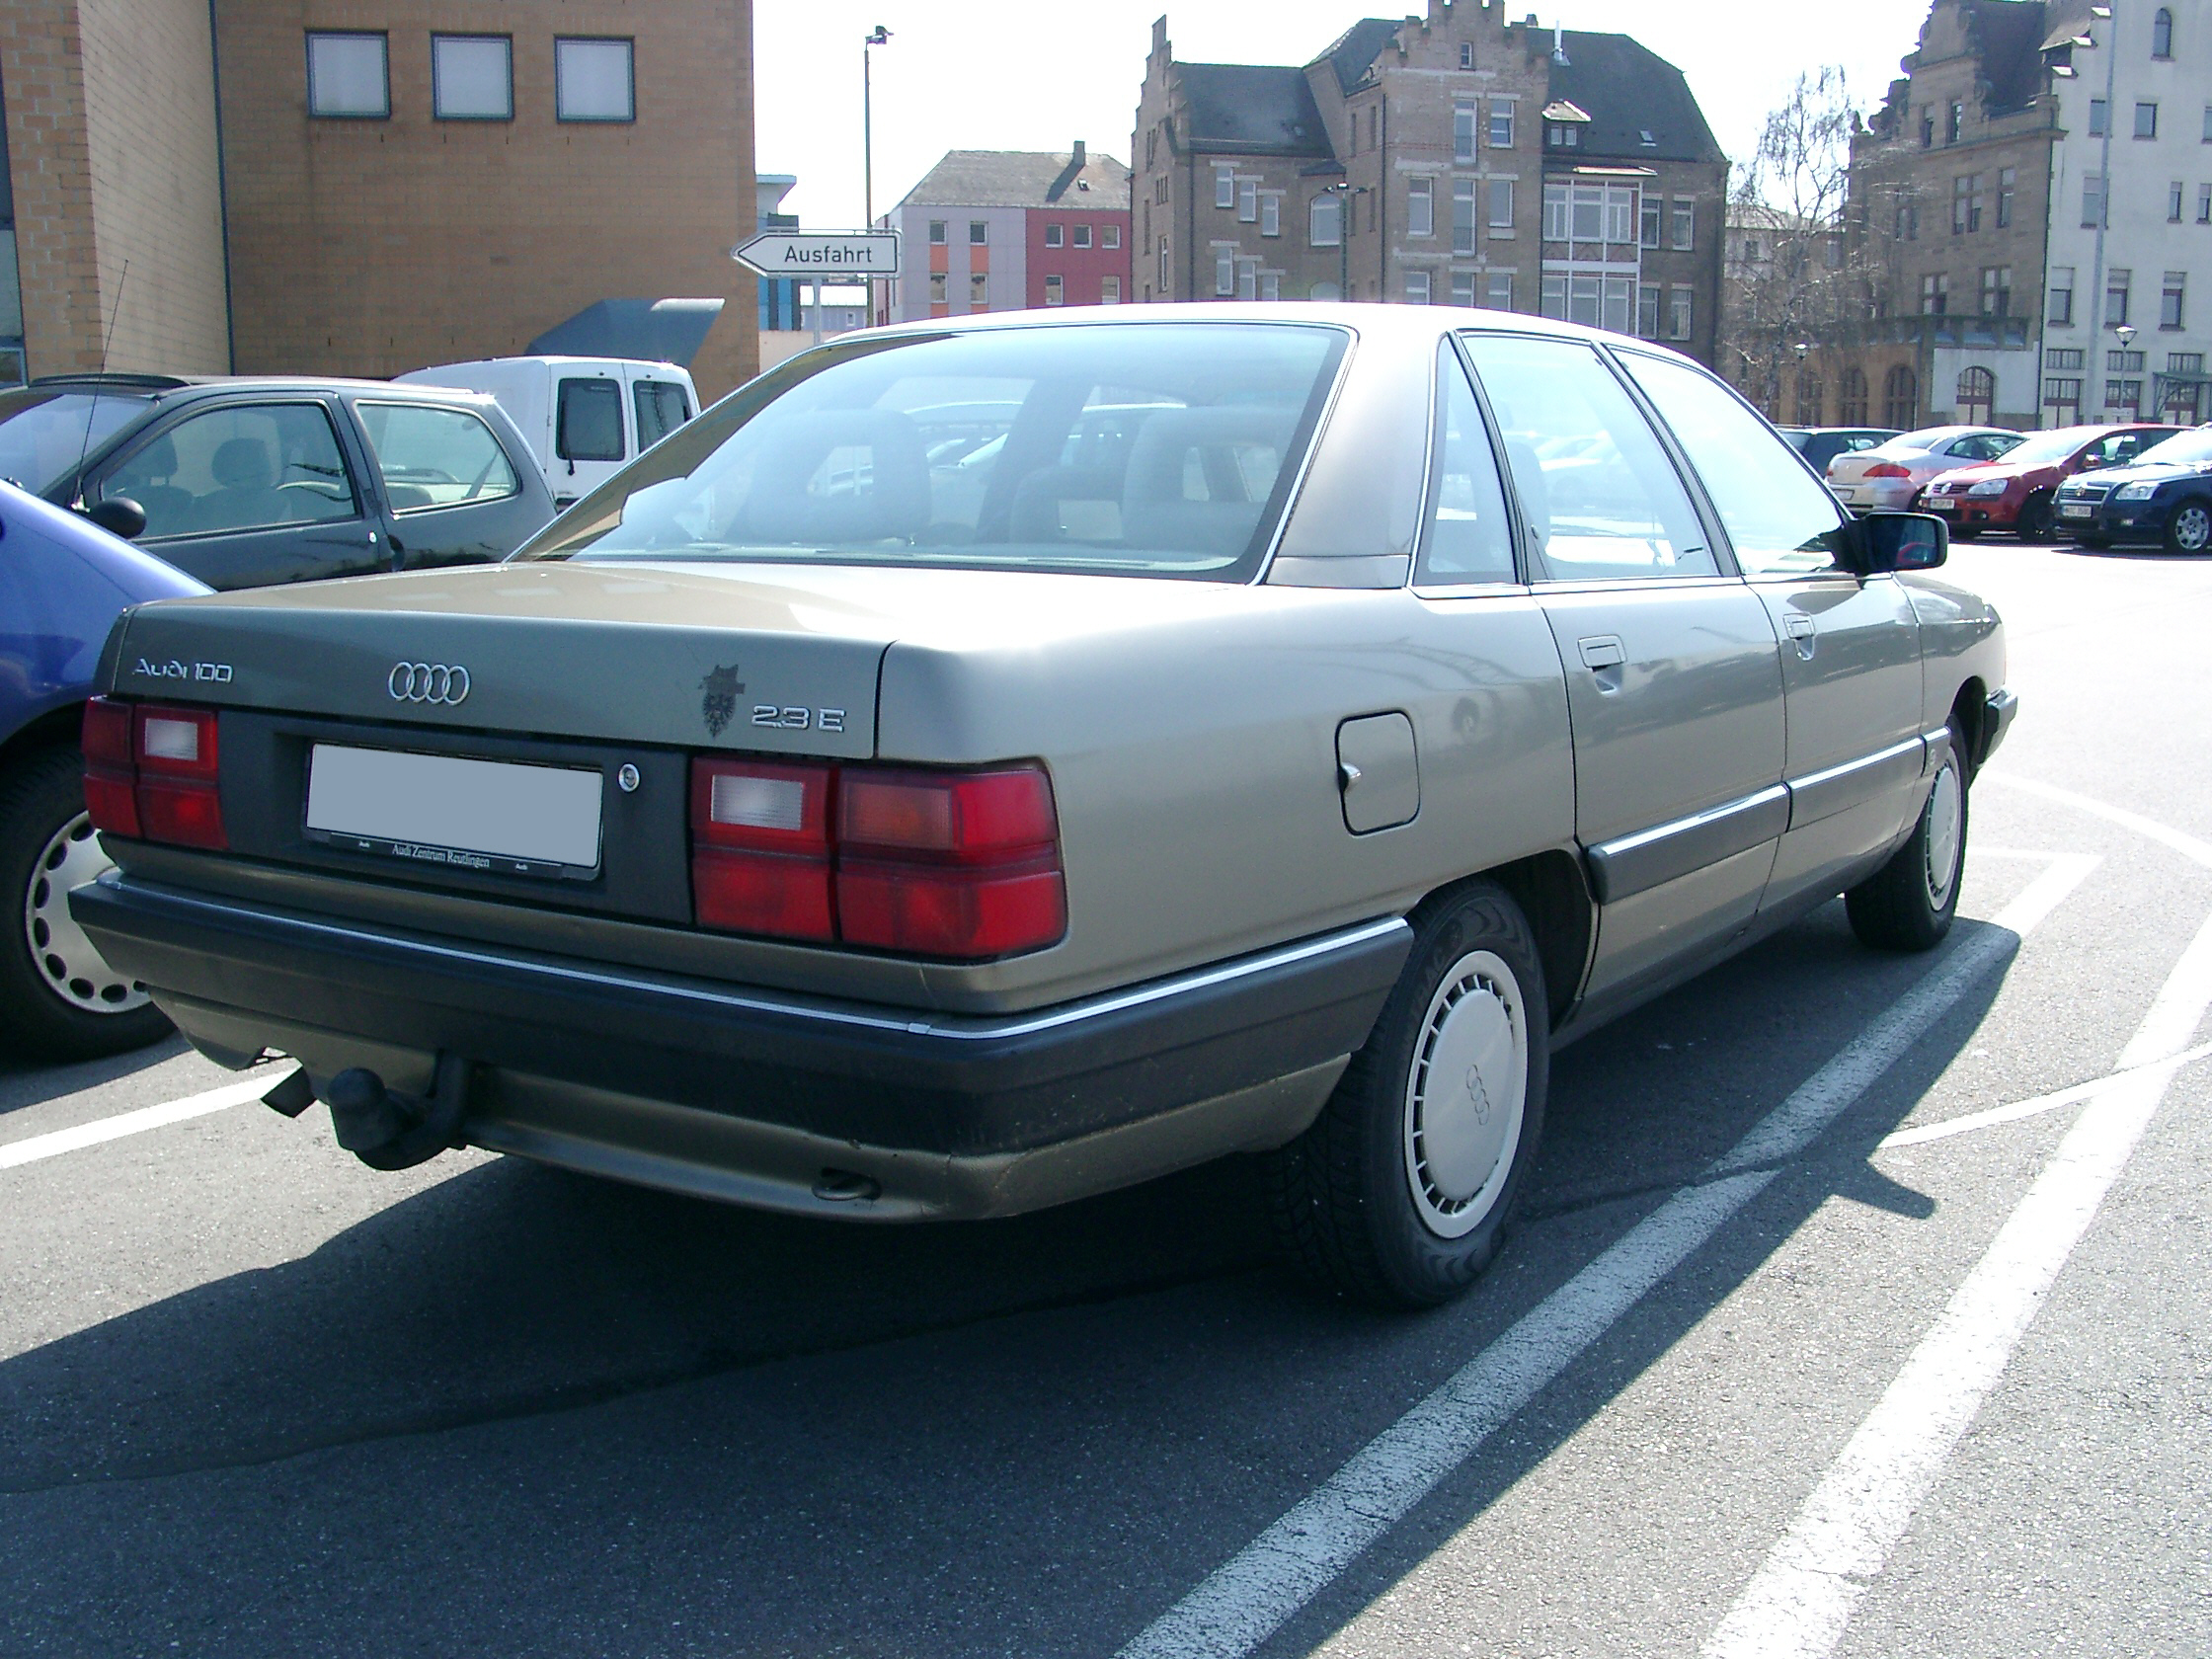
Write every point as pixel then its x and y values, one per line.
pixel 245 482
pixel 2164 494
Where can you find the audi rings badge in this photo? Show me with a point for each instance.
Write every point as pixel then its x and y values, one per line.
pixel 428 683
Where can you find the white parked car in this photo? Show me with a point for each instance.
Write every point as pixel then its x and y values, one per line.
pixel 584 417
pixel 1890 476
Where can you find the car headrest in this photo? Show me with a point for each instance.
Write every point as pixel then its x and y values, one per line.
pixel 839 475
pixel 242 464
pixel 157 459
pixel 1168 435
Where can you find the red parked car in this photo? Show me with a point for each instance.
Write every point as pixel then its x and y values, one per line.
pixel 2015 492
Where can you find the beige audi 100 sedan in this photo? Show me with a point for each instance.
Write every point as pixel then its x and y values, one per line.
pixel 983 763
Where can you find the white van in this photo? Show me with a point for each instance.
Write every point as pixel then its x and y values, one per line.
pixel 584 417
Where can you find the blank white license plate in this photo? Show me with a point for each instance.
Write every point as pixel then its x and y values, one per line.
pixel 1942 504
pixel 490 816
pixel 2077 509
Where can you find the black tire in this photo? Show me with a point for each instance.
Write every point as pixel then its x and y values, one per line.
pixel 2038 519
pixel 1343 1195
pixel 1908 903
pixel 2188 527
pixel 58 1000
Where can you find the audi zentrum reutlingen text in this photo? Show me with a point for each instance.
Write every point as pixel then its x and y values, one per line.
pixel 981 763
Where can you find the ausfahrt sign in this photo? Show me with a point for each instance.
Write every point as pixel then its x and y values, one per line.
pixel 820 254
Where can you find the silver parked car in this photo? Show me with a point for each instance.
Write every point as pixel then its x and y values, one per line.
pixel 817 817
pixel 1890 476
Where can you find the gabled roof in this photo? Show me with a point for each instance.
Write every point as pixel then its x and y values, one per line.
pixel 1630 90
pixel 1020 179
pixel 1353 53
pixel 1255 107
pixel 2010 36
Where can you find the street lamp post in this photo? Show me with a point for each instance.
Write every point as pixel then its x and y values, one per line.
pixel 1346 193
pixel 876 36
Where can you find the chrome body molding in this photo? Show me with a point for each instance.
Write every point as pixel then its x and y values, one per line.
pixel 1632 864
pixel 1835 789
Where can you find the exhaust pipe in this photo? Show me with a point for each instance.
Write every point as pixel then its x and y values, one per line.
pixel 388 1130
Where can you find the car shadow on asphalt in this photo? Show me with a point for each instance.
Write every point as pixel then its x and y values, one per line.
pixel 749 1372
pixel 28 1081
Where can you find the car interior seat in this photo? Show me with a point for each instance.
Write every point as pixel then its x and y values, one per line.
pixel 168 507
pixel 245 493
pixel 1178 449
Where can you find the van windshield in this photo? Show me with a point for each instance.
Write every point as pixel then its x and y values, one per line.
pixel 1149 448
pixel 43 434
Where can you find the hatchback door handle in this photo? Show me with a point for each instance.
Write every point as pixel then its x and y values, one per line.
pixel 1603 651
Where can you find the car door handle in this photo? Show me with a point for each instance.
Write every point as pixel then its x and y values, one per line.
pixel 1803 633
pixel 1603 651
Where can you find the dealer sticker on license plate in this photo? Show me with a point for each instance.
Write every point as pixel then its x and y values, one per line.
pixel 489 815
pixel 2077 509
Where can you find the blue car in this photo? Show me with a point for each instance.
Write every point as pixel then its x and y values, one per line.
pixel 62 583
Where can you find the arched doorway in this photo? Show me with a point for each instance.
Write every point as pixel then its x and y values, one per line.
pixel 1851 408
pixel 1901 398
pixel 1977 396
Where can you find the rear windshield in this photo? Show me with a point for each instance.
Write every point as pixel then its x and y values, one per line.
pixel 1153 448
pixel 43 434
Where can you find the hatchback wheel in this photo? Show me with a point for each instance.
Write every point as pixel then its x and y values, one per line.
pixel 58 997
pixel 2037 522
pixel 2188 528
pixel 1401 1190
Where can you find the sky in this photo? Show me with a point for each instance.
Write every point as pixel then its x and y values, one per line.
pixel 1024 75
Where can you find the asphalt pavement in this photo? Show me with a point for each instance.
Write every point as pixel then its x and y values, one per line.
pixel 1746 1380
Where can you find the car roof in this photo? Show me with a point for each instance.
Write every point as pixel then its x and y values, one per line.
pixel 168 386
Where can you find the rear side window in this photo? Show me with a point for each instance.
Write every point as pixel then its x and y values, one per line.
pixel 1467 538
pixel 1779 519
pixel 660 408
pixel 588 422
pixel 239 467
pixel 1598 491
pixel 435 457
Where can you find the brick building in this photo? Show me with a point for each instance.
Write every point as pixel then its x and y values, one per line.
pixel 1010 230
pixel 1458 158
pixel 362 187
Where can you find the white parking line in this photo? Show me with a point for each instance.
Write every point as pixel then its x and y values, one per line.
pixel 2030 1108
pixel 62 1141
pixel 2187 845
pixel 1244 1602
pixel 1801 1599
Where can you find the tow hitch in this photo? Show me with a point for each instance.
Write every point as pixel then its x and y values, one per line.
pixel 382 1127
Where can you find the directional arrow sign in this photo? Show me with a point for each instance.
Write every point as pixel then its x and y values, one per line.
pixel 820 254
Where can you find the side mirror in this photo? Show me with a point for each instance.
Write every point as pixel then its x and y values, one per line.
pixel 1901 541
pixel 118 516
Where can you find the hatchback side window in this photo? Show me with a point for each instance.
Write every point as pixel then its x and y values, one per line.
pixel 1778 519
pixel 1597 491
pixel 1467 538
pixel 660 408
pixel 588 422
pixel 239 467
pixel 435 457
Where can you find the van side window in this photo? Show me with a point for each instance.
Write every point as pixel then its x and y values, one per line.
pixel 660 408
pixel 588 424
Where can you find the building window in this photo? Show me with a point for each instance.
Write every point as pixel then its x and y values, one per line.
pixel 1056 291
pixel 2162 34
pixel 1109 291
pixel 1997 291
pixel 472 77
pixel 1685 223
pixel 2064 357
pixel 1551 296
pixel 2062 296
pixel 1053 236
pixel 978 233
pixel 939 286
pixel 1463 289
pixel 595 80
pixel 2063 393
pixel 2173 196
pixel 2204 204
pixel 2123 363
pixel 1901 398
pixel 1271 214
pixel 1501 204
pixel 1152 146
pixel 1809 398
pixel 1466 54
pixel 347 77
pixel 1563 137
pixel 1225 271
pixel 2169 299
pixel 1678 314
pixel 2146 120
pixel 1462 135
pixel 1248 278
pixel 2116 284
pixel 1649 235
pixel 2124 395
pixel 936 233
pixel 1463 215
pixel 1113 236
pixel 2099 118
pixel 1271 286
pixel 1934 294
pixel 1324 220
pixel 1224 186
pixel 1927 128
pixel 1954 123
pixel 1417 287
pixel 2008 182
pixel 978 290
pixel 1850 403
pixel 1501 126
pixel 1248 200
pixel 1977 396
pixel 1498 290
pixel 1164 287
pixel 2184 363
pixel 1082 236
pixel 1647 311
pixel 2093 200
pixel 1966 203
pixel 1555 206
pixel 1420 206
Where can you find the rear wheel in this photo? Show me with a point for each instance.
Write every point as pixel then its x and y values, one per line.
pixel 1401 1192
pixel 1908 903
pixel 2188 527
pixel 58 999
pixel 2037 522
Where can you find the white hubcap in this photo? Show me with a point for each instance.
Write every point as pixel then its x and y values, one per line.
pixel 1466 1096
pixel 1942 835
pixel 74 970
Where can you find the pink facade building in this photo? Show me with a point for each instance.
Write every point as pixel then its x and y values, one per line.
pixel 1010 230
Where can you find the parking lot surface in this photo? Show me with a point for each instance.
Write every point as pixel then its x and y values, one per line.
pixel 1858 1307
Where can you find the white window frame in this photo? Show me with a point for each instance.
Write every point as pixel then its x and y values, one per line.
pixel 1682 225
pixel 1501 110
pixel 1111 236
pixel 1498 210
pixel 1418 288
pixel 1224 186
pixel 1225 270
pixel 1055 236
pixel 1463 221
pixel 1466 135
pixel 1056 289
pixel 1110 290
pixel 1271 214
pixel 1420 206
pixel 1248 200
pixel 1682 313
pixel 1497 292
pixel 1326 205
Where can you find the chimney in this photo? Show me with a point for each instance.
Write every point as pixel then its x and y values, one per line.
pixel 1079 163
pixel 1558 42
pixel 1067 176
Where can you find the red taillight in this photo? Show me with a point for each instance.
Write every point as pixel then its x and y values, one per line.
pixel 151 773
pixel 1886 470
pixel 950 864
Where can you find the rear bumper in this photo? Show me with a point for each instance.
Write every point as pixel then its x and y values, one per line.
pixel 752 1095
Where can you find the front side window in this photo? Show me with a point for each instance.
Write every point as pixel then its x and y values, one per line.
pixel 1780 520
pixel 595 80
pixel 1145 449
pixel 587 421
pixel 348 76
pixel 245 467
pixel 660 407
pixel 1597 491
pixel 438 457
pixel 472 77
pixel 1467 538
